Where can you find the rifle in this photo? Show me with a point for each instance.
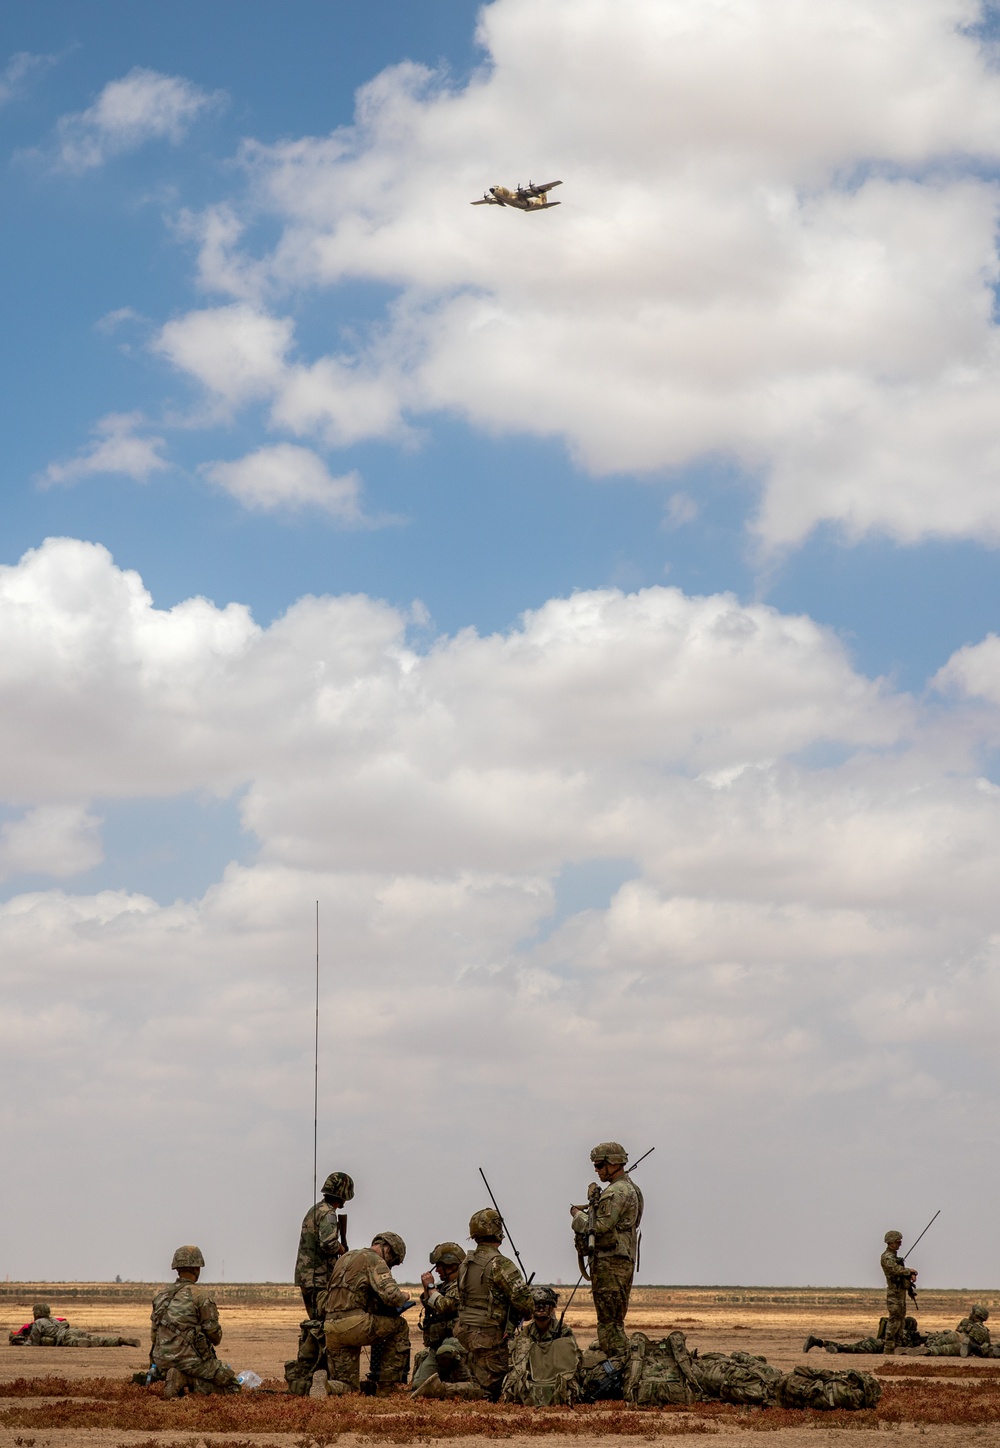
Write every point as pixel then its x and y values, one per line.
pixel 342 1232
pixel 910 1289
pixel 593 1193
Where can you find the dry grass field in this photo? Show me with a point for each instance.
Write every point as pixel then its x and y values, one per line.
pixel 71 1398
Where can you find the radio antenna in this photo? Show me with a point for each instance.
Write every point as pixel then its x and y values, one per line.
pixel 316 1066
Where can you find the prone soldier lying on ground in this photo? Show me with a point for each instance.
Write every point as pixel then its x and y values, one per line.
pixel 364 1308
pixel 911 1337
pixel 48 1331
pixel 185 1332
pixel 544 1358
pixel 971 1338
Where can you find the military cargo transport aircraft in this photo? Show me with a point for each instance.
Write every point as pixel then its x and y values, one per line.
pixel 525 198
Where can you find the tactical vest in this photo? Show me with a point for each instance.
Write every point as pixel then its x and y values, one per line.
pixel 478 1306
pixel 349 1289
pixel 552 1373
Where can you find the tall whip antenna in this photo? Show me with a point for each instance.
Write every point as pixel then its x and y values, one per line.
pixel 316 1066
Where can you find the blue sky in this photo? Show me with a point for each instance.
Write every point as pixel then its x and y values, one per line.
pixel 724 426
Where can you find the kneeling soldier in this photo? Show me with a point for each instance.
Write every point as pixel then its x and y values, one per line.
pixel 439 1306
pixel 544 1358
pixel 185 1332
pixel 364 1308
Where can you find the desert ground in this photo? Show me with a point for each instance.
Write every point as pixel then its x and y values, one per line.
pixel 73 1398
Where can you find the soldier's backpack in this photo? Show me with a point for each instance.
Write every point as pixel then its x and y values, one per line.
pixel 737 1377
pixel 658 1373
pixel 826 1388
pixel 601 1377
pixel 543 1374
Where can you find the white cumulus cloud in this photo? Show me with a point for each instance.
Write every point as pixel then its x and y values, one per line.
pixel 805 937
pixel 287 476
pixel 776 243
pixel 142 106
pixel 116 448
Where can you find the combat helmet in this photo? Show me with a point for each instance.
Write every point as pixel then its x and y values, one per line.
pixel 338 1184
pixel 447 1254
pixel 979 1312
pixel 41 1309
pixel 486 1223
pixel 610 1151
pixel 545 1296
pixel 891 1237
pixel 186 1257
pixel 395 1244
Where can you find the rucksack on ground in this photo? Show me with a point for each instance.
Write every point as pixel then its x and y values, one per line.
pixel 658 1373
pixel 827 1388
pixel 737 1377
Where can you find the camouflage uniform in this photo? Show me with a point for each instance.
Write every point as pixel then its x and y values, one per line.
pixel 443 1372
pixel 437 1324
pixel 363 1304
pixel 970 1339
pixel 48 1331
pixel 517 1383
pixel 618 1214
pixel 185 1331
pixel 491 1292
pixel 320 1246
pixel 897 1279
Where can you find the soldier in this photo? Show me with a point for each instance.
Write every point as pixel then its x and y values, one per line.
pixel 970 1339
pixel 492 1300
pixel 439 1307
pixel 49 1331
pixel 364 1308
pixel 911 1337
pixel 444 1373
pixel 320 1245
pixel 898 1278
pixel 185 1332
pixel 612 1219
pixel 540 1373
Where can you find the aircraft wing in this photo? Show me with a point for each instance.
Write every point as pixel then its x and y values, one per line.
pixel 547 187
pixel 486 201
pixel 544 206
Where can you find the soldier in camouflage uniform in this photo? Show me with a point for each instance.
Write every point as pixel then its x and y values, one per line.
pixel 49 1331
pixel 543 1329
pixel 492 1298
pixel 444 1373
pixel 439 1308
pixel 970 1339
pixel 320 1246
pixel 911 1337
pixel 364 1308
pixel 186 1330
pixel 614 1214
pixel 898 1278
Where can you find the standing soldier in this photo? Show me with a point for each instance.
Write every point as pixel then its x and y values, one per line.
pixel 186 1330
pixel 898 1279
pixel 364 1308
pixel 439 1302
pixel 320 1245
pixel 492 1299
pixel 607 1237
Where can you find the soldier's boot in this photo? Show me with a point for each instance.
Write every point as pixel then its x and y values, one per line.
pixel 335 1388
pixel 470 1391
pixel 812 1341
pixel 176 1383
pixel 298 1377
pixel 963 1348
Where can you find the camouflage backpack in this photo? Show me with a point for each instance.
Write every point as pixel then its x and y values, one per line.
pixel 659 1372
pixel 543 1374
pixel 737 1378
pixel 601 1377
pixel 826 1388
